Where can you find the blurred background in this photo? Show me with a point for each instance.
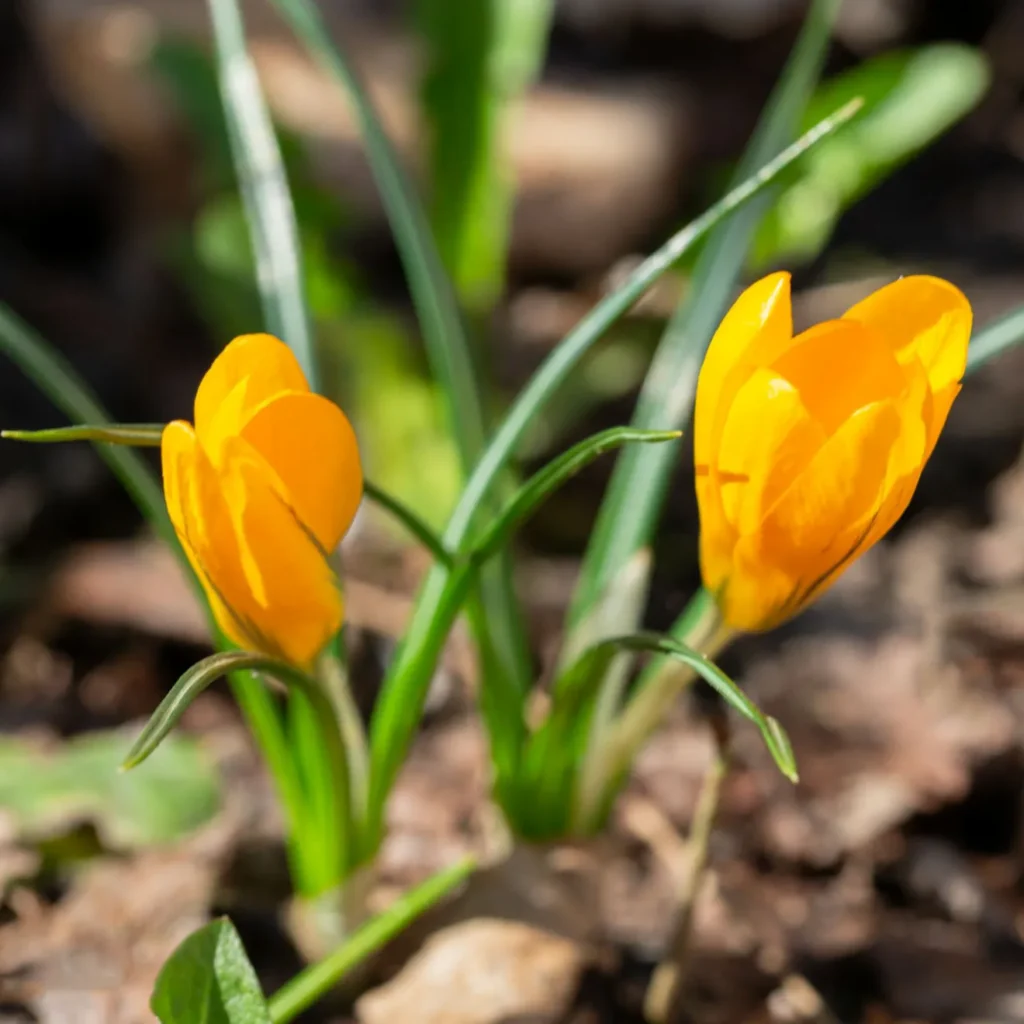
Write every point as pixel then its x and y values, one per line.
pixel 888 886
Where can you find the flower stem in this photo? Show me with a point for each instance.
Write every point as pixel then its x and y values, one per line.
pixel 662 1004
pixel 333 677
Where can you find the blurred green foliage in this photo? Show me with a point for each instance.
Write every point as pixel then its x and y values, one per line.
pixel 481 57
pixel 50 792
pixel 910 98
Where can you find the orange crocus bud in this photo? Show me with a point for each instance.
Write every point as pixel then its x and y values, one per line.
pixel 809 448
pixel 260 493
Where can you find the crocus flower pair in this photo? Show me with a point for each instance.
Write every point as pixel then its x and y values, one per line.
pixel 808 449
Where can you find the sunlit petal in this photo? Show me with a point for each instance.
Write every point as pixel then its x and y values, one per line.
pixel 756 328
pixel 297 604
pixel 309 443
pixel 251 369
pixel 923 316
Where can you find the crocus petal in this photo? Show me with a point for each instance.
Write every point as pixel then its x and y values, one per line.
pixel 816 527
pixel 177 456
pixel 200 518
pixel 757 327
pixel 251 369
pixel 296 601
pixel 923 316
pixel 767 440
pixel 309 443
pixel 838 367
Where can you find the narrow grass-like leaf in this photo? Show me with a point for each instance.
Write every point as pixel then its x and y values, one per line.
pixel 544 795
pixel 443 330
pixel 994 339
pixel 622 743
pixel 134 435
pixel 264 187
pixel 500 632
pixel 148 435
pixel 320 871
pixel 308 986
pixel 410 520
pixel 552 373
pixel 481 57
pixel 910 98
pixel 399 705
pixel 633 502
pixel 546 481
pixel 192 683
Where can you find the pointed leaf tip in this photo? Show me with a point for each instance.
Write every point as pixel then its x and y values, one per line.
pixel 781 748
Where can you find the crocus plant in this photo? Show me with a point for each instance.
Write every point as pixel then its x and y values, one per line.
pixel 808 448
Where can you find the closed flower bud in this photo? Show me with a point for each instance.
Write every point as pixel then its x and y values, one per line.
pixel 808 448
pixel 260 492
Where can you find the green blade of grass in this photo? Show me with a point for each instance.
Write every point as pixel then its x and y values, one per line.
pixel 481 57
pixel 191 684
pixel 404 690
pixel 633 502
pixel 443 330
pixel 307 987
pixel 546 481
pixel 264 187
pixel 134 435
pixel 409 519
pixel 561 362
pixel 496 618
pixel 994 339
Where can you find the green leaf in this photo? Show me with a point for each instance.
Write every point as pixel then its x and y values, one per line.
pixel 771 731
pixel 481 58
pixel 605 757
pixel 995 339
pixel 410 520
pixel 194 681
pixel 546 481
pixel 400 703
pixel 137 435
pixel 264 188
pixel 545 791
pixel 47 792
pixel 209 980
pixel 540 800
pixel 633 502
pixel 148 435
pixel 305 988
pixel 910 98
pixel 443 330
pixel 500 634
pixel 556 368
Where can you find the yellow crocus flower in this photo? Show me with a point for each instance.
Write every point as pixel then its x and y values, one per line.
pixel 260 493
pixel 808 448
